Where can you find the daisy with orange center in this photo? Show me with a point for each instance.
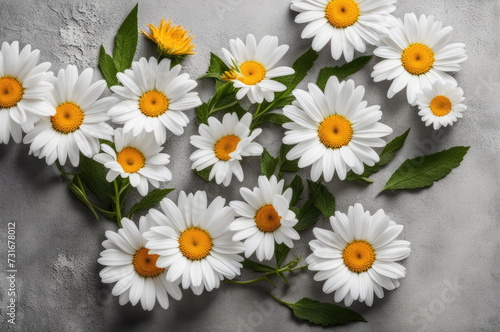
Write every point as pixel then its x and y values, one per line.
pixel 223 144
pixel 133 267
pixel 172 40
pixel 138 158
pixel 265 218
pixel 193 241
pixel 252 67
pixel 358 259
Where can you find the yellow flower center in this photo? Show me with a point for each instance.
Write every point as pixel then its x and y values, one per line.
pixel 172 40
pixel 131 159
pixel 267 219
pixel 253 72
pixel 11 91
pixel 153 103
pixel 359 256
pixel 417 59
pixel 145 263
pixel 440 105
pixel 225 146
pixel 68 118
pixel 342 13
pixel 335 131
pixel 195 243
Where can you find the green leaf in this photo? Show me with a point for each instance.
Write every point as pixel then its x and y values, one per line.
pixel 216 68
pixel 94 176
pixel 108 68
pixel 126 41
pixel 325 314
pixel 204 173
pixel 77 188
pixel 422 171
pixel 276 118
pixel 286 165
pixel 341 72
pixel 224 97
pixel 297 187
pixel 308 216
pixel 280 252
pixel 257 267
pixel 240 111
pixel 323 199
pixel 268 164
pixel 152 198
pixel 386 156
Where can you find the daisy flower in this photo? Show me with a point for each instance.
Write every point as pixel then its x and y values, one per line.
pixel 79 120
pixel 128 263
pixel 153 98
pixel 23 86
pixel 137 158
pixel 265 218
pixel 348 24
pixel 252 67
pixel 194 241
pixel 441 104
pixel 359 257
pixel 223 145
pixel 172 40
pixel 417 53
pixel 334 131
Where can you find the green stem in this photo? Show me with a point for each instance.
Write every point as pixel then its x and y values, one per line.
pixel 265 275
pixel 216 109
pixel 61 170
pixel 118 207
pixel 280 300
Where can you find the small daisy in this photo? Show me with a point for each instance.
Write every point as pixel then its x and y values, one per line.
pixel 265 218
pixel 79 119
pixel 359 257
pixel 133 268
pixel 172 40
pixel 441 105
pixel 252 67
pixel 23 86
pixel 194 241
pixel 223 145
pixel 347 24
pixel 137 158
pixel 153 98
pixel 417 53
pixel 334 131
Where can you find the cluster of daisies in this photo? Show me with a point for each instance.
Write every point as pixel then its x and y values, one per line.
pixel 196 244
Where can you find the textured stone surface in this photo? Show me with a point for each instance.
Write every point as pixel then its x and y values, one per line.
pixel 452 273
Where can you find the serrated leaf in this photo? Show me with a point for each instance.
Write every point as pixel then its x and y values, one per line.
pixel 77 188
pixel 108 68
pixel 224 97
pixel 307 216
pixel 386 156
pixel 236 108
pixel 297 187
pixel 286 165
pixel 152 198
pixel 126 41
pixel 216 68
pixel 422 171
pixel 276 118
pixel 268 164
pixel 257 267
pixel 323 199
pixel 341 72
pixel 94 177
pixel 204 173
pixel 325 314
pixel 280 253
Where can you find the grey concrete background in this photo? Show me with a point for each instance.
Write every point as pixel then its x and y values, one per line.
pixel 452 273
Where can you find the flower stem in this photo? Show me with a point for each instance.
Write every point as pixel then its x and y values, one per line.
pixel 279 300
pixel 266 275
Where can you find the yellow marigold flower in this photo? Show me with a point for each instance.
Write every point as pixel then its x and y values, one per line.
pixel 172 40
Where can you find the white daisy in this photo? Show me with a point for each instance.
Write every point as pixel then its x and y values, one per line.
pixel 137 158
pixel 417 53
pixel 79 120
pixel 252 67
pixel 194 241
pixel 23 86
pixel 154 97
pixel 133 268
pixel 441 104
pixel 334 130
pixel 223 145
pixel 348 24
pixel 359 257
pixel 265 218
